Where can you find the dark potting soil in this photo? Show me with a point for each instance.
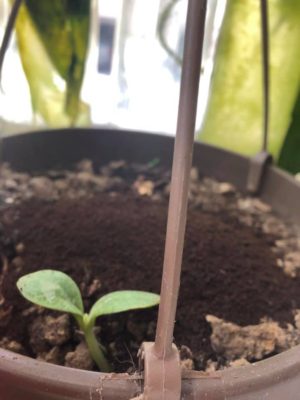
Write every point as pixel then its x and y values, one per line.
pixel 115 241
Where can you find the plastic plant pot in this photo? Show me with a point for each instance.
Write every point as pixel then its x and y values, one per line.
pixel 22 378
pixel 275 378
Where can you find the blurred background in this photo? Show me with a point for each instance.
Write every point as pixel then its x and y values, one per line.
pixel 130 79
pixel 129 65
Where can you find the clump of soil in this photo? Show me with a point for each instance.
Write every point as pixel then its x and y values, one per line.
pixel 252 341
pixel 112 238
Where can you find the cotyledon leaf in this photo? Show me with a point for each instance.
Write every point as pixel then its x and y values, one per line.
pixel 123 300
pixel 52 289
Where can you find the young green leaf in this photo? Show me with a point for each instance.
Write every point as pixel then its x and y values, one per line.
pixel 52 289
pixel 123 300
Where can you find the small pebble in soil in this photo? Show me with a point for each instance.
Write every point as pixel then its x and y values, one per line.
pixel 18 263
pixel 11 345
pixel 143 187
pixel 186 358
pixel 32 310
pixel 42 187
pixel 240 362
pixel 85 166
pixel 93 288
pixel 20 248
pixel 48 330
pixel 53 356
pixel 79 358
pixel 291 263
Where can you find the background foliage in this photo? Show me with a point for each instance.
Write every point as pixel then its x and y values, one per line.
pixel 53 40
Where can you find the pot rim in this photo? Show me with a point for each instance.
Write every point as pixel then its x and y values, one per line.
pixel 230 382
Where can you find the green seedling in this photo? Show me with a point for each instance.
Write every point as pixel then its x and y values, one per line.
pixel 57 291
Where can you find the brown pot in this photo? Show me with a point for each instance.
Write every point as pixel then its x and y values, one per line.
pixel 22 378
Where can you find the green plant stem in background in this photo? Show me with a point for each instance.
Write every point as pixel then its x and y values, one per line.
pixel 233 119
pixel 161 30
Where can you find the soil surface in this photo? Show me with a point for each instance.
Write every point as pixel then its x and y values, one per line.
pixel 110 236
